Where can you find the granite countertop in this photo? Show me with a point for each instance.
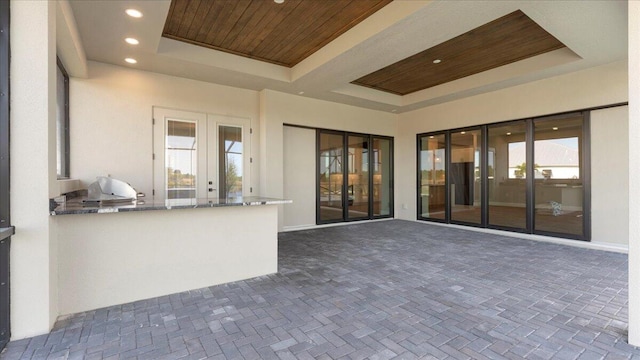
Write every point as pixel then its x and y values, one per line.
pixel 78 206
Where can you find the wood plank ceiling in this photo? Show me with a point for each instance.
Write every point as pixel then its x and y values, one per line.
pixel 508 39
pixel 283 34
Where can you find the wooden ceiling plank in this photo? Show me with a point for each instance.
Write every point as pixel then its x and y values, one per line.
pixel 357 17
pixel 296 22
pixel 198 20
pixel 177 8
pixel 511 38
pixel 270 27
pixel 283 34
pixel 231 18
pixel 188 17
pixel 262 13
pixel 238 27
pixel 316 15
pixel 209 21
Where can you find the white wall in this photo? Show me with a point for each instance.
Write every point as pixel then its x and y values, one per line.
pixel 593 87
pixel 278 108
pixel 33 167
pixel 634 172
pixel 610 175
pixel 299 177
pixel 111 112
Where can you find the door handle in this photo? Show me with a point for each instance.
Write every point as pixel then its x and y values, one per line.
pixel 212 189
pixel 5 232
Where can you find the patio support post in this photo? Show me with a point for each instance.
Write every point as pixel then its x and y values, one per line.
pixel 33 167
pixel 634 172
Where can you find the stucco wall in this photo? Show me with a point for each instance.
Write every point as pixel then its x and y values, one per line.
pixel 111 119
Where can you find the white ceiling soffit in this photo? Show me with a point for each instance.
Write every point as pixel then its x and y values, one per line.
pixel 68 43
pixel 595 33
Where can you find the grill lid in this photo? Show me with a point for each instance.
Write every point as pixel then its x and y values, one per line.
pixel 110 190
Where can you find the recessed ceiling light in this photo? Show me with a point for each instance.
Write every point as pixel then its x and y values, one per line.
pixel 437 61
pixel 508 134
pixel 463 132
pixel 131 60
pixel 278 1
pixel 134 13
pixel 431 137
pixel 132 41
pixel 555 128
pixel 301 92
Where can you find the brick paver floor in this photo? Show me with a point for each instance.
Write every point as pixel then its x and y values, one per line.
pixel 383 290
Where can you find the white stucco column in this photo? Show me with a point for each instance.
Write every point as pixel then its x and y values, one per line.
pixel 33 167
pixel 271 154
pixel 634 172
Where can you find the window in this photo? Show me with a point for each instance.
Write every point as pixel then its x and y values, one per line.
pixel 62 122
pixel 200 156
pixel 558 164
pixel 432 176
pixel 526 175
pixel 352 184
pixel 507 183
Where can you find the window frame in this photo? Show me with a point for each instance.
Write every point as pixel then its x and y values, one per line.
pixel 345 171
pixel 64 172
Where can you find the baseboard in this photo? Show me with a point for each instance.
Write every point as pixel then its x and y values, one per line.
pixel 314 226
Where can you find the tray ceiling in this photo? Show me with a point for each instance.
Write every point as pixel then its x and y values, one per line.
pixel 283 34
pixel 594 32
pixel 505 40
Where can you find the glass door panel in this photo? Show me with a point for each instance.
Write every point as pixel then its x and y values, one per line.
pixel 181 155
pixel 382 186
pixel 230 161
pixel 331 184
pixel 358 177
pixel 506 174
pixel 432 192
pixel 558 175
pixel 464 185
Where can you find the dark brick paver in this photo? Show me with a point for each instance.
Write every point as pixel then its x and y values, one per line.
pixel 384 290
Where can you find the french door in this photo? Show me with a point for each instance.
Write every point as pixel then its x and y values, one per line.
pixel 200 156
pixel 6 230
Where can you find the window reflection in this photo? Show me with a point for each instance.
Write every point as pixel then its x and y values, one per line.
pixel 180 159
pixel 464 188
pixel 230 161
pixel 506 175
pixel 432 176
pixel 558 184
pixel 331 178
pixel 382 191
pixel 358 185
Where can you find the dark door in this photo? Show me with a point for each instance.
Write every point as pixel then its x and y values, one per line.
pixel 6 230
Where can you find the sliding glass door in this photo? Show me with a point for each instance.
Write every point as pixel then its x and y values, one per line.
pixel 358 177
pixel 354 177
pixel 524 175
pixel 559 193
pixel 507 176
pixel 464 170
pixel 432 180
pixel 330 179
pixel 381 167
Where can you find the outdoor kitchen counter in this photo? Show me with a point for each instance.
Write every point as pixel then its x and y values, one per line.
pixel 78 206
pixel 133 254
